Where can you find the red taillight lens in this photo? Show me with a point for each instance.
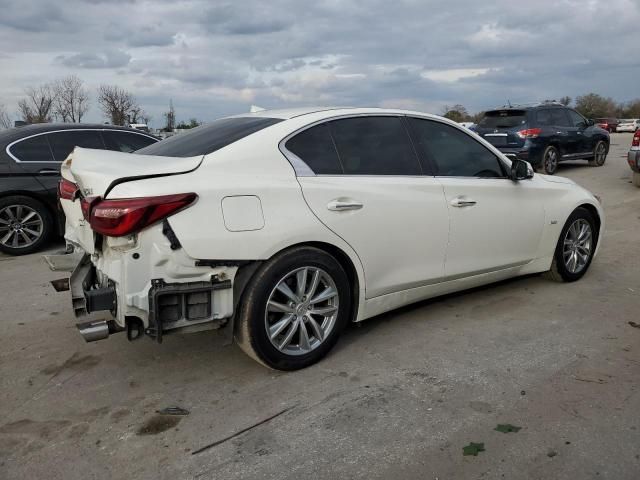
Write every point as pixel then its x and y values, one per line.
pixel 125 216
pixel 67 190
pixel 636 139
pixel 530 133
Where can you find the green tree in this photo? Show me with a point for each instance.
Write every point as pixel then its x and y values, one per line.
pixel 457 113
pixel 593 105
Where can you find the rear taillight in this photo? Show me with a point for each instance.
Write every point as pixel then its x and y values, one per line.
pixel 67 190
pixel 125 216
pixel 530 133
pixel 636 139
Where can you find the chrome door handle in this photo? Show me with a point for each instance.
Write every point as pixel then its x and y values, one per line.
pixel 341 205
pixel 462 202
pixel 49 171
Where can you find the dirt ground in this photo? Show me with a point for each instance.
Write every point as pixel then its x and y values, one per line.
pixel 399 397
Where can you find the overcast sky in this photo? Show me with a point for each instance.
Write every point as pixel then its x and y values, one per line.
pixel 215 58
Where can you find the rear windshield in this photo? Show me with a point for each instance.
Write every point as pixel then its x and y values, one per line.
pixel 503 119
pixel 208 138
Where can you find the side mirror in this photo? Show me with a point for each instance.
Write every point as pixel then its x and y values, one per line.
pixel 521 170
pixel 590 122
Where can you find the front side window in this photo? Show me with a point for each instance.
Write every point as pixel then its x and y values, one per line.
pixel 453 152
pixel 34 149
pixel 576 119
pixel 314 146
pixel 63 143
pixel 374 146
pixel 125 142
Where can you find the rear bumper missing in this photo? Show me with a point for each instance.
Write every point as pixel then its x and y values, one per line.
pixel 189 305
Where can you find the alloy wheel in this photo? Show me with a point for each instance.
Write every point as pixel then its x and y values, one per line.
pixel 301 310
pixel 578 244
pixel 601 154
pixel 551 161
pixel 20 226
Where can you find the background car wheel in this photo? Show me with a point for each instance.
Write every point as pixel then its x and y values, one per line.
pixel 635 178
pixel 575 247
pixel 294 309
pixel 599 154
pixel 25 225
pixel 550 159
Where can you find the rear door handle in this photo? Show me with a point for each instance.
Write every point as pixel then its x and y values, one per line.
pixel 462 202
pixel 339 205
pixel 49 171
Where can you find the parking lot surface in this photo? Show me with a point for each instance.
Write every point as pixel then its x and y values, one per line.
pixel 399 397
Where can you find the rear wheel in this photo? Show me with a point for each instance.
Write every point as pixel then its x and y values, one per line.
pixel 294 309
pixel 25 225
pixel 550 159
pixel 599 154
pixel 575 248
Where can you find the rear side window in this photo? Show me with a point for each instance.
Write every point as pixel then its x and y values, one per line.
pixel 314 147
pixel 503 119
pixel 63 143
pixel 125 142
pixel 543 118
pixel 34 149
pixel 374 146
pixel 560 118
pixel 209 138
pixel 454 153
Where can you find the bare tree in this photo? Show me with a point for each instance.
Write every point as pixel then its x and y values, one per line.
pixel 38 106
pixel 138 115
pixel 170 116
pixel 116 103
pixel 566 101
pixel 5 121
pixel 71 99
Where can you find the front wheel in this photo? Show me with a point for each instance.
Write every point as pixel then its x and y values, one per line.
pixel 575 247
pixel 599 154
pixel 294 309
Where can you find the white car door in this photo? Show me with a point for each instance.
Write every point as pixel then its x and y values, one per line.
pixel 495 223
pixel 365 183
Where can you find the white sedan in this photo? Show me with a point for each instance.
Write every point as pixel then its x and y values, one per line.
pixel 283 226
pixel 628 125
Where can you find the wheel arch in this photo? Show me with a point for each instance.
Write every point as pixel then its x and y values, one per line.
pixel 596 216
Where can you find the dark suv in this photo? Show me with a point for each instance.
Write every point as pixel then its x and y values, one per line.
pixel 544 135
pixel 30 160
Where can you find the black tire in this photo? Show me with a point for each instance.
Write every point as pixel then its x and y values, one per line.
pixel 253 317
pixel 9 205
pixel 550 160
pixel 600 152
pixel 559 270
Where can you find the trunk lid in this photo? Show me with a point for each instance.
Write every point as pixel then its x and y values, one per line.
pixel 96 171
pixel 501 127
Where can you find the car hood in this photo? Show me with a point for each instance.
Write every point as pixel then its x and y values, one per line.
pixel 556 179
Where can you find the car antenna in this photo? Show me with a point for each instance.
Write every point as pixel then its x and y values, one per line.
pixel 509 103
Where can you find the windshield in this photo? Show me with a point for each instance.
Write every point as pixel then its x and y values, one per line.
pixel 208 138
pixel 503 119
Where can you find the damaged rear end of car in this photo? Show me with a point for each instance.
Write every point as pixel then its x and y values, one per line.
pixel 133 266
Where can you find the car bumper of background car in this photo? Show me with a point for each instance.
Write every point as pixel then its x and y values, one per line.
pixel 149 288
pixel 633 159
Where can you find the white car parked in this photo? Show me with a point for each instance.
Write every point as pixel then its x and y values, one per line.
pixel 283 226
pixel 628 125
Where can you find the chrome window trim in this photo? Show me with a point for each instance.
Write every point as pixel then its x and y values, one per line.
pixel 301 169
pixel 17 160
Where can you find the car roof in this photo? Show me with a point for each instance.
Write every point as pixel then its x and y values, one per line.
pixel 329 112
pixel 16 133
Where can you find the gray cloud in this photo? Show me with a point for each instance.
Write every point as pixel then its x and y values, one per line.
pixel 108 59
pixel 217 58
